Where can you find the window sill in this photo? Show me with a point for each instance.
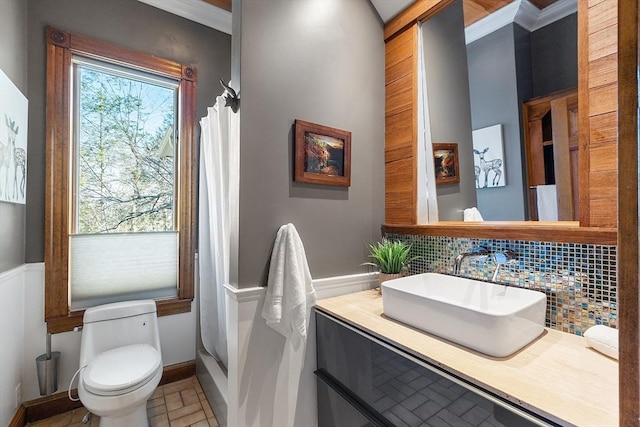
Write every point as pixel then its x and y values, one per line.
pixel 166 307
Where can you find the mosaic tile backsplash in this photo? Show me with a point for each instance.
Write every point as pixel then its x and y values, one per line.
pixel 578 279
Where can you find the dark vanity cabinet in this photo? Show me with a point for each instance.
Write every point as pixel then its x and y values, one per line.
pixel 365 381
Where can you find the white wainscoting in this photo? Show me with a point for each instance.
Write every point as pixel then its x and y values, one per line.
pixel 271 383
pixel 11 339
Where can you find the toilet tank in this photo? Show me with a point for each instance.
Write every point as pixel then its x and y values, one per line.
pixel 118 324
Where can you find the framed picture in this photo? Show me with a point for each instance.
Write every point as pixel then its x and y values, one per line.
pixel 323 154
pixel 445 158
pixel 13 142
pixel 488 157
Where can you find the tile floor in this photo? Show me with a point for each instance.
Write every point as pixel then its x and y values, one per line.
pixel 178 404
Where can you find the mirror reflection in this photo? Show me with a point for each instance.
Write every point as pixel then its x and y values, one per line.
pixel 522 77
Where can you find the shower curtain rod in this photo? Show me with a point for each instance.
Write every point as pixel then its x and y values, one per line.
pixel 230 97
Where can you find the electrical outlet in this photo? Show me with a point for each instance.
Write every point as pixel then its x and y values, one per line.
pixel 18 395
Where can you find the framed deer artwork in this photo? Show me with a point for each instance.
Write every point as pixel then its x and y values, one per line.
pixel 488 157
pixel 13 142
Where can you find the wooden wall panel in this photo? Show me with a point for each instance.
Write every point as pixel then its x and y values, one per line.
pixel 401 110
pixel 602 43
pixel 603 99
pixel 603 129
pixel 601 208
pixel 604 184
pixel 603 158
pixel 399 70
pixel 395 172
pixel 601 16
pixel 399 191
pixel 401 96
pixel 398 48
pixel 598 99
pixel 592 3
pixel 399 135
pixel 603 71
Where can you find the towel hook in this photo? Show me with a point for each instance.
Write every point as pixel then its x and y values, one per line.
pixel 230 97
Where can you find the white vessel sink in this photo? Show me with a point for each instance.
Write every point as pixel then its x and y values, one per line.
pixel 493 319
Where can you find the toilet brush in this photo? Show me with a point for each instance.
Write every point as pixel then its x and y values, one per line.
pixel 48 346
pixel 47 366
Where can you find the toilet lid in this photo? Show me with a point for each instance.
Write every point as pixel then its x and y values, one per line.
pixel 121 369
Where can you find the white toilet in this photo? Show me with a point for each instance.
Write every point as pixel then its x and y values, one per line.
pixel 120 362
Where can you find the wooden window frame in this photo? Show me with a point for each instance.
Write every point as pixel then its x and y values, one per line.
pixel 61 46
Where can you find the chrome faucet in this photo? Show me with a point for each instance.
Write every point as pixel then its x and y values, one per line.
pixel 475 253
pixel 502 258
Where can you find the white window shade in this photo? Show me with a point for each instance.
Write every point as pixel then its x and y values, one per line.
pixel 107 268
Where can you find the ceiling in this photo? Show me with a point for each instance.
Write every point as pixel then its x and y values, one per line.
pixel 217 13
pixel 474 10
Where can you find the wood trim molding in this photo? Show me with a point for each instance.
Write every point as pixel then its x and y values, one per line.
pixel 222 4
pixel 177 372
pixel 19 418
pixel 416 12
pixel 59 403
pixel 48 406
pixel 58 37
pixel 628 252
pixel 61 45
pixel 568 232
pixel 167 307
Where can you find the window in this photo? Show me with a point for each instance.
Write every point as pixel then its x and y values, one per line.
pixel 120 179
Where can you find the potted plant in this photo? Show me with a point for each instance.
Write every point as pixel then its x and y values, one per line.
pixel 391 258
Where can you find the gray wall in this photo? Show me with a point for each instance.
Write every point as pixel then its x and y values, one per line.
pixel 493 83
pixel 129 23
pixel 449 105
pixel 554 53
pixel 13 61
pixel 323 62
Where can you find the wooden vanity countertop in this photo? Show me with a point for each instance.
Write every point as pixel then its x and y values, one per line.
pixel 557 375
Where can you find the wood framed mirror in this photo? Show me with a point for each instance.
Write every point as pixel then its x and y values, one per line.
pixel 597 139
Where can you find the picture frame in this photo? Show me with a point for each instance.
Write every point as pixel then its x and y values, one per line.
pixel 488 157
pixel 322 154
pixel 446 162
pixel 14 118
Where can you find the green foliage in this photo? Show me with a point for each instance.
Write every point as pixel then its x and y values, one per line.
pixel 124 185
pixel 390 256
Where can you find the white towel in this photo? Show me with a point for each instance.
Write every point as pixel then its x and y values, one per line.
pixel 472 214
pixel 547 203
pixel 603 339
pixel 290 293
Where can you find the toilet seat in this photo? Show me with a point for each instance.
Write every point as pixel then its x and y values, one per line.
pixel 121 370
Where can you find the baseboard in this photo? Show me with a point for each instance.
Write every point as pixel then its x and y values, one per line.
pixel 59 403
pixel 178 371
pixel 48 406
pixel 19 418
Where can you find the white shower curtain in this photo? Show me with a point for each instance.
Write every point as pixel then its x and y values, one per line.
pixel 427 197
pixel 217 218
